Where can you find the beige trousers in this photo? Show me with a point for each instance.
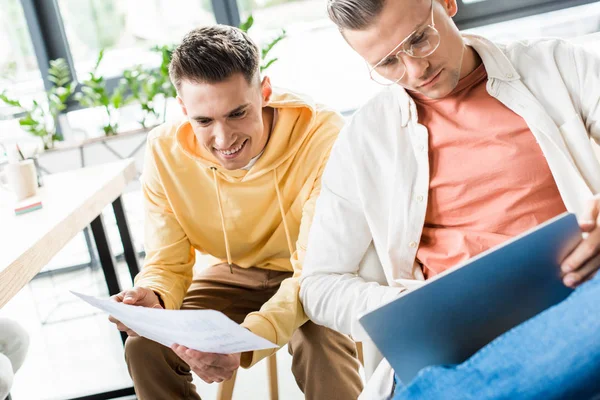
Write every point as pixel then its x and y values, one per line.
pixel 324 362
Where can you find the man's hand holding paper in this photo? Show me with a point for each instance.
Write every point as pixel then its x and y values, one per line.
pixel 206 331
pixel 137 296
pixel 210 367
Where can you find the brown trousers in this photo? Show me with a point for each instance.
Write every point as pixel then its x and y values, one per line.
pixel 324 362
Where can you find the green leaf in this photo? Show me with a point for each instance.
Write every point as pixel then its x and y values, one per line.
pixel 27 120
pixel 98 60
pixel 59 72
pixel 104 100
pixel 269 46
pixel 268 64
pixel 11 102
pixel 53 98
pixel 246 25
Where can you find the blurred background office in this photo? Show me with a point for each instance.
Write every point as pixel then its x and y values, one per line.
pixel 74 351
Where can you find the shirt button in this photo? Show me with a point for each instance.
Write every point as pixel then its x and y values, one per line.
pixel 420 198
pixel 509 76
pixel 413 244
pixel 421 147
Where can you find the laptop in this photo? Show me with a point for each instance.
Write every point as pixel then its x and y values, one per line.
pixel 456 313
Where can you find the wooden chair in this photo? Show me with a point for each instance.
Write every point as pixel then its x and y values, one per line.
pixel 225 391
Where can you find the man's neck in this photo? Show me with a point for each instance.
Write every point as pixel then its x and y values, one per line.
pixel 268 116
pixel 268 123
pixel 471 61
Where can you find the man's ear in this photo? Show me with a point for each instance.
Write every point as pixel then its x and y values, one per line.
pixel 267 90
pixel 183 109
pixel 450 6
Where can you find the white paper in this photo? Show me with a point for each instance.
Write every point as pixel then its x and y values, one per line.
pixel 203 330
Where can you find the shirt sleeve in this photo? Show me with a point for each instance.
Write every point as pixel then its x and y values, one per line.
pixel 588 66
pixel 282 314
pixel 331 291
pixel 170 257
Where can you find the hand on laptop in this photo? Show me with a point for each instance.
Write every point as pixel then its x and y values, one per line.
pixel 210 367
pixel 584 262
pixel 137 296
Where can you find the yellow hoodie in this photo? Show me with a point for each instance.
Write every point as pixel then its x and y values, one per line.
pixel 249 218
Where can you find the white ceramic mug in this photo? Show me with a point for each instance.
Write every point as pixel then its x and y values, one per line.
pixel 21 179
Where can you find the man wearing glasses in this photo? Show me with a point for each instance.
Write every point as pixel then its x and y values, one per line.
pixel 469 145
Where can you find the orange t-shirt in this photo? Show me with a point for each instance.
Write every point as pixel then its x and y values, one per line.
pixel 489 180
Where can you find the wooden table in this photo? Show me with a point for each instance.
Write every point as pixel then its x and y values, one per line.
pixel 70 202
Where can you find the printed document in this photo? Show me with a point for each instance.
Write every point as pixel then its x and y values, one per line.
pixel 203 330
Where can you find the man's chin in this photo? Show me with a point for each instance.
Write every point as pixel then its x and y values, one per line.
pixel 232 165
pixel 438 92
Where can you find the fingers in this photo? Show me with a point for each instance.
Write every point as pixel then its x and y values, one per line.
pixel 134 295
pixel 121 326
pixel 225 361
pixel 138 296
pixel 586 250
pixel 208 366
pixel 586 272
pixel 212 374
pixel 590 218
pixel 118 297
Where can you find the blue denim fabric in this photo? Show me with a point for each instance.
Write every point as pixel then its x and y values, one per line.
pixel 554 355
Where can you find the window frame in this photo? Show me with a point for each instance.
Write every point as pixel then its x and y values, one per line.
pixel 492 11
pixel 47 31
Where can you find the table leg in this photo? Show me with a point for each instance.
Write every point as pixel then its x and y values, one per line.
pixel 107 260
pixel 88 242
pixel 108 263
pixel 129 252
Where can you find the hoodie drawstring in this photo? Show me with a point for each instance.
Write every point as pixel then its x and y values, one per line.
pixel 285 226
pixel 281 210
pixel 214 171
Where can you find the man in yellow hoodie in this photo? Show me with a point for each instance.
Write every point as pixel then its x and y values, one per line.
pixel 236 180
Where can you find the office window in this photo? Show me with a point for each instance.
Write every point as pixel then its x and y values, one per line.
pixel 566 23
pixel 127 29
pixel 294 15
pixel 314 58
pixel 19 72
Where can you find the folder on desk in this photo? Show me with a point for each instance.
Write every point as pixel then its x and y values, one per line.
pixel 453 315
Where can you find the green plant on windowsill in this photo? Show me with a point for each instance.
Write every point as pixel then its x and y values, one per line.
pixel 144 88
pixel 266 49
pixel 95 94
pixel 41 118
pixel 162 74
pixel 148 85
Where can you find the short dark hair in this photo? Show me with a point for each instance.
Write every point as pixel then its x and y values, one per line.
pixel 213 54
pixel 354 14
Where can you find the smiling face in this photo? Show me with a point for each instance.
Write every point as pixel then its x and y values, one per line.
pixel 434 76
pixel 229 118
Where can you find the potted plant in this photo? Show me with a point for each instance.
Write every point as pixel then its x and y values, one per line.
pixel 41 118
pixel 95 94
pixel 148 86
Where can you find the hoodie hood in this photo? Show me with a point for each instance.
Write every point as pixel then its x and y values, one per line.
pixel 295 122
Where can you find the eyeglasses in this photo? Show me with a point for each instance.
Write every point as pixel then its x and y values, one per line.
pixel 421 43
